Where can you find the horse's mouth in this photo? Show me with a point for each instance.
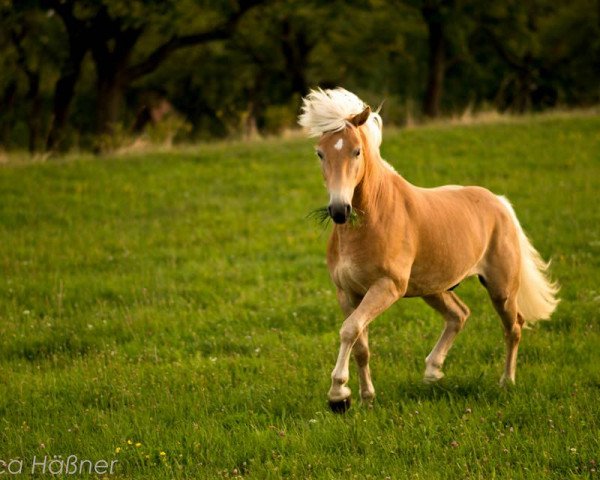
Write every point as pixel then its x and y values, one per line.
pixel 339 219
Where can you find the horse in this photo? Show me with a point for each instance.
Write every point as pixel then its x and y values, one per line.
pixel 413 242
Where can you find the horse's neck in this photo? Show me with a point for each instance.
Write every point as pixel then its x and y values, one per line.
pixel 375 193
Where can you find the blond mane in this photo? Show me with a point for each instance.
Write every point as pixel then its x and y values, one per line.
pixel 329 111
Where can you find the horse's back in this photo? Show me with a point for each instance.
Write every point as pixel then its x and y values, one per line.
pixel 463 206
pixel 477 203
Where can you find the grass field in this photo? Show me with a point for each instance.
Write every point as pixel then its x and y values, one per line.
pixel 173 311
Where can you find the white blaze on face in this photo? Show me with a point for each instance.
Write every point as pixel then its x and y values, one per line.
pixel 339 192
pixel 343 196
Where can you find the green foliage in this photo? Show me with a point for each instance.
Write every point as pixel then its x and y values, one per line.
pixel 30 50
pixel 168 130
pixel 162 133
pixel 281 117
pixel 117 138
pixel 181 301
pixel 253 70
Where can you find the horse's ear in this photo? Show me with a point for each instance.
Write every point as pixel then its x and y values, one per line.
pixel 362 117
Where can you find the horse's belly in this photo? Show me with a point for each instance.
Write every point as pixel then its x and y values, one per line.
pixel 426 279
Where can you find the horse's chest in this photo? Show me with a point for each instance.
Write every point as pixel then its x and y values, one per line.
pixel 348 275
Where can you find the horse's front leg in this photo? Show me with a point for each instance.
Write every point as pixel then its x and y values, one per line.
pixel 378 298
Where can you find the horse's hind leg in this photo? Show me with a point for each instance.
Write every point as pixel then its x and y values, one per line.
pixel 503 289
pixel 506 306
pixel 455 313
pixel 360 350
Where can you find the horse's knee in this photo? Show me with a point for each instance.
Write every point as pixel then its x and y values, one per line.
pixel 349 332
pixel 462 317
pixel 457 319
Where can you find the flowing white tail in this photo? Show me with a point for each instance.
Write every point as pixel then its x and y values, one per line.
pixel 537 294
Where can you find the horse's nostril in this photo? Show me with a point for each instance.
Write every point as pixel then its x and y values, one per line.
pixel 348 210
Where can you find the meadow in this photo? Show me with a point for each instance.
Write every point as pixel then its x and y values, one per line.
pixel 173 311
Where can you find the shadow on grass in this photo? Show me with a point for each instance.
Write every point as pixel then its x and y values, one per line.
pixel 479 388
pixel 44 350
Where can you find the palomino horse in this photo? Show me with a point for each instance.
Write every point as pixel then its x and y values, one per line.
pixel 413 242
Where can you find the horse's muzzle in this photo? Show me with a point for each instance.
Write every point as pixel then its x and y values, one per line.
pixel 340 212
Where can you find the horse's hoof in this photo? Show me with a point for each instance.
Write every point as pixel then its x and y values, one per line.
pixel 507 382
pixel 367 400
pixel 368 403
pixel 433 377
pixel 340 406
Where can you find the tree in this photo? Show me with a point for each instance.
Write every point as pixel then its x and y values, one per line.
pixel 111 32
pixel 75 68
pixel 434 16
pixel 530 43
pixel 32 97
pixel 79 36
pixel 27 46
pixel 445 22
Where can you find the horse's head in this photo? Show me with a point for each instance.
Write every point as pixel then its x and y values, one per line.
pixel 342 160
pixel 350 136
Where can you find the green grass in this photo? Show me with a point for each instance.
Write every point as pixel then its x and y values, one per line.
pixel 181 300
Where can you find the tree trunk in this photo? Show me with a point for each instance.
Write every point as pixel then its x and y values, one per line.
pixel 63 96
pixel 436 63
pixel 7 104
pixel 111 67
pixel 79 35
pixel 33 119
pixel 109 103
pixel 250 126
pixel 32 97
pixel 296 47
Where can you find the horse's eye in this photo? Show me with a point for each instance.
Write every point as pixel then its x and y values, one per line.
pixel 356 152
pixel 320 154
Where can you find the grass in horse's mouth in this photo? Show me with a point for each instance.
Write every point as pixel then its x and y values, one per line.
pixel 321 215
